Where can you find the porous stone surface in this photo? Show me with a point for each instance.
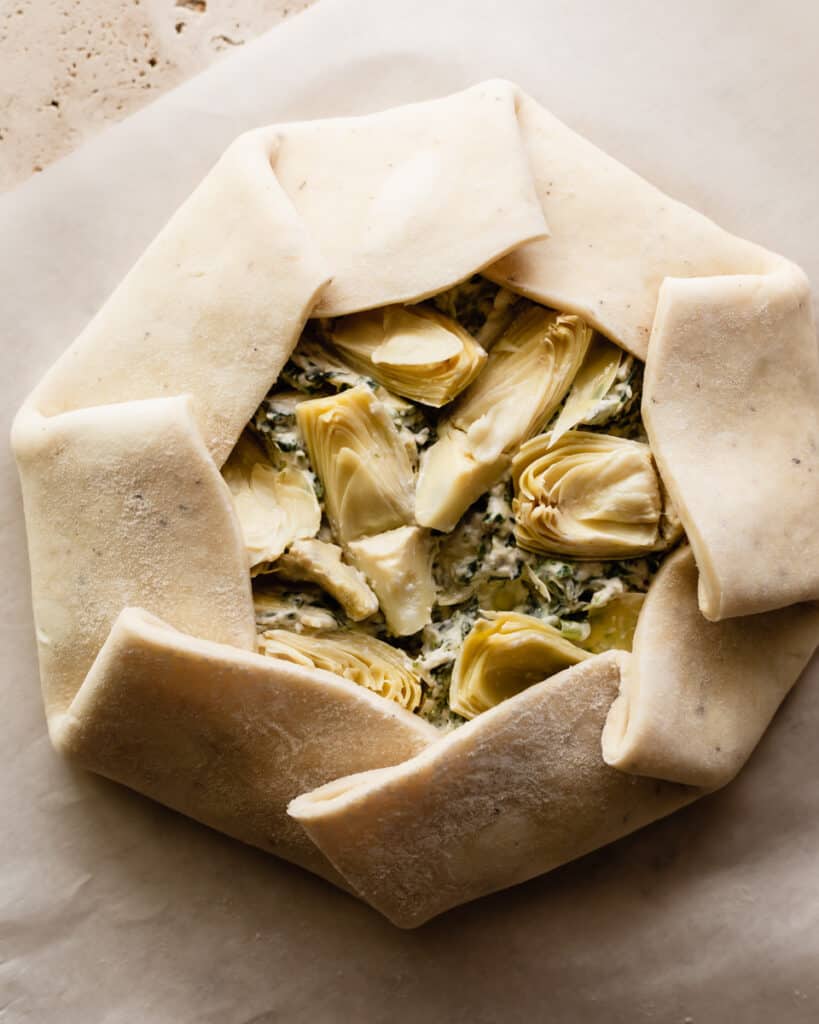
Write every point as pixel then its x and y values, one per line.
pixel 69 67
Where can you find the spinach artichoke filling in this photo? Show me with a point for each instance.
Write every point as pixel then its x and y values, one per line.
pixel 449 501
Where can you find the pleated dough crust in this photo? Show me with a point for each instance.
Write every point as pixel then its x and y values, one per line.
pixel 140 579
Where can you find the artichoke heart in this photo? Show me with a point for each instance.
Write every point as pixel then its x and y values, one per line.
pixel 274 506
pixel 363 465
pixel 593 380
pixel 398 564
pixel 315 561
pixel 527 374
pixel 587 496
pixel 417 353
pixel 362 659
pixel 503 654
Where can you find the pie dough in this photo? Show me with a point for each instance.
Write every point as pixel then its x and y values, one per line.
pixel 140 576
pixel 697 695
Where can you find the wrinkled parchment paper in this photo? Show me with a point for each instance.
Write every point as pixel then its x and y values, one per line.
pixel 117 910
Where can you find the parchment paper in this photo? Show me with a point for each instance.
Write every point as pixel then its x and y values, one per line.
pixel 116 910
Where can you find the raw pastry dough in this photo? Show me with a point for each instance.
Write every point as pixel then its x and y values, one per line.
pixel 211 309
pixel 731 406
pixel 518 791
pixel 140 576
pixel 404 203
pixel 224 735
pixel 613 237
pixel 122 505
pixel 697 696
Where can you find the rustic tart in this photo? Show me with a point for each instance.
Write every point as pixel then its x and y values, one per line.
pixel 433 502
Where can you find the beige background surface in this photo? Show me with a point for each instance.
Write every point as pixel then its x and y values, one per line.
pixel 70 67
pixel 113 909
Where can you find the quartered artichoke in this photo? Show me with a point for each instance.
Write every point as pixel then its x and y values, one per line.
pixel 398 565
pixel 356 656
pixel 363 465
pixel 274 506
pixel 587 496
pixel 314 561
pixel 591 385
pixel 503 654
pixel 451 479
pixel 527 374
pixel 415 352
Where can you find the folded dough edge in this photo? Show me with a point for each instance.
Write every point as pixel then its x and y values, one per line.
pixel 731 408
pixel 613 236
pixel 517 791
pixel 697 696
pixel 124 505
pixel 226 736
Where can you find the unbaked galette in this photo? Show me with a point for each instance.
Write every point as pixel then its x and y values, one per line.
pixel 432 503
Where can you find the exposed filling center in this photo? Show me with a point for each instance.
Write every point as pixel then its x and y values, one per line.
pixel 450 501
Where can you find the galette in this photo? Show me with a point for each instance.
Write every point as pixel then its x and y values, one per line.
pixel 432 503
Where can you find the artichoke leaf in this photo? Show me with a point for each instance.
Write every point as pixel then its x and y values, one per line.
pixel 418 338
pixel 361 461
pixel 592 496
pixel 363 508
pixel 593 380
pixel 274 506
pixel 316 561
pixel 503 311
pixel 357 657
pixel 398 565
pixel 527 374
pixel 612 625
pixel 417 353
pixel 504 654
pixel 284 609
